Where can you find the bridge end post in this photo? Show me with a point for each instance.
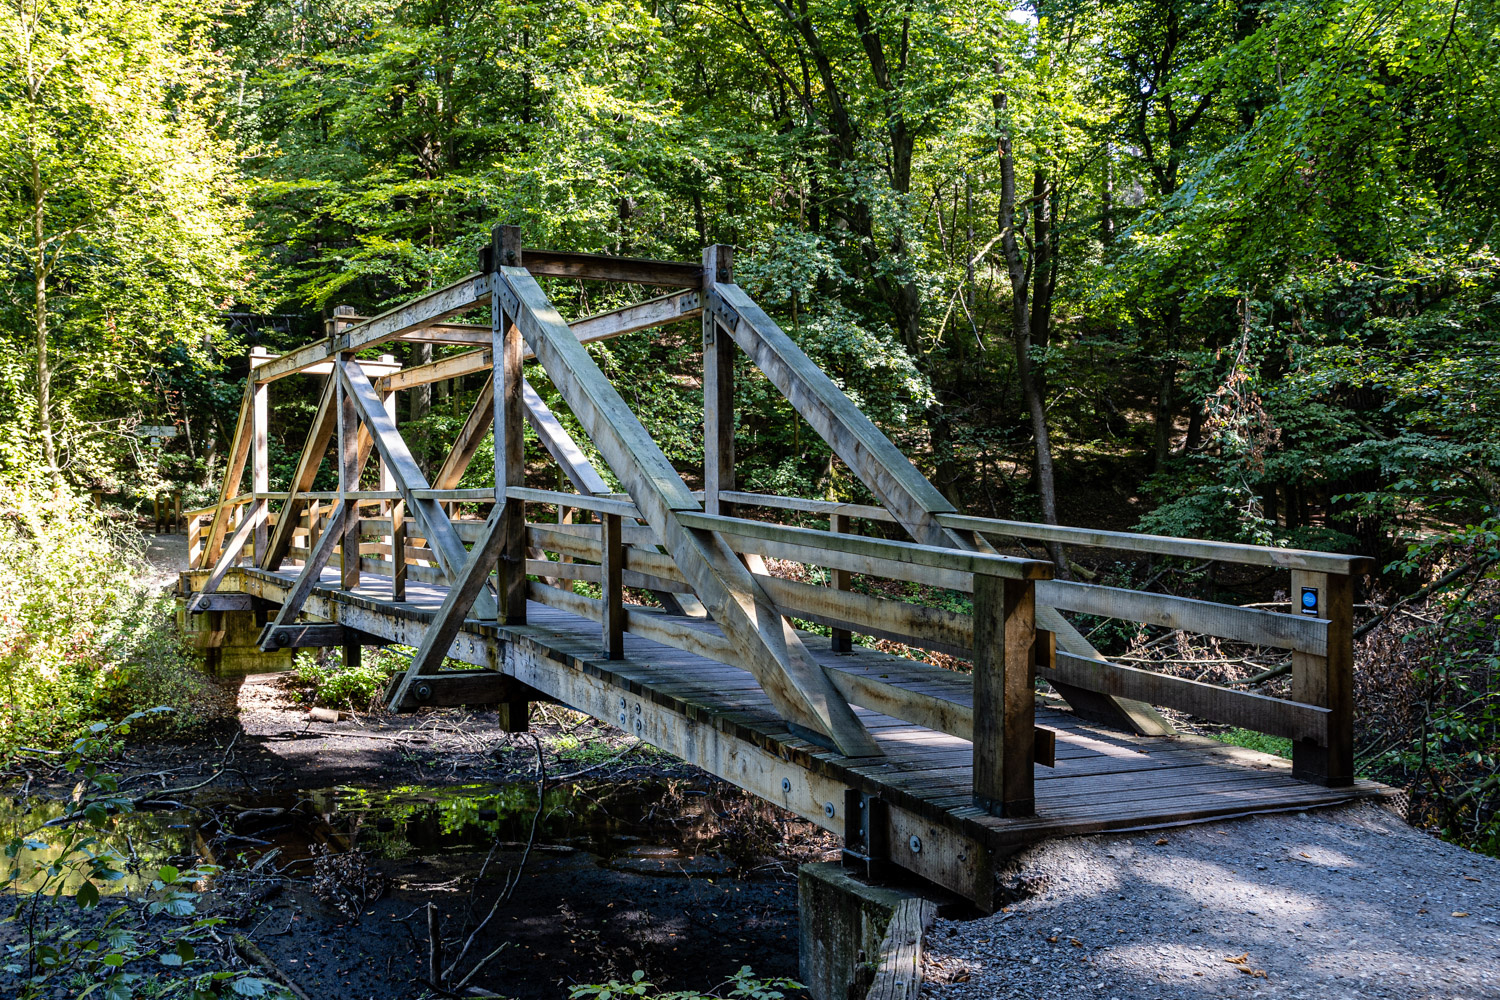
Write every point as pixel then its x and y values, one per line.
pixel 1004 695
pixel 1326 681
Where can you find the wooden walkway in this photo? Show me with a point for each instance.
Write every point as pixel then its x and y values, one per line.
pixel 1102 780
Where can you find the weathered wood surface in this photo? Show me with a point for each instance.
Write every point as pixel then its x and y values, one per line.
pixel 717 717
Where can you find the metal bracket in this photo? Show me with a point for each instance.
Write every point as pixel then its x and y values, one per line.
pixel 688 302
pixel 509 303
pixel 867 849
pixel 722 311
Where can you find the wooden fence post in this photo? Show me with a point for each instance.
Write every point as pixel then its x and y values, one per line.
pixel 718 388
pixel 394 509
pixel 195 541
pixel 507 349
pixel 1004 695
pixel 840 579
pixel 349 468
pixel 260 468
pixel 611 573
pixel 1326 681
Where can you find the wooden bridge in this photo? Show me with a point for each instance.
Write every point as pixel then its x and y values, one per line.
pixel 933 771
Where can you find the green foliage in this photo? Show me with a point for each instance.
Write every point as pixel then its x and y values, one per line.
pixel 149 941
pixel 120 234
pixel 331 683
pixel 741 986
pixel 1278 745
pixel 79 636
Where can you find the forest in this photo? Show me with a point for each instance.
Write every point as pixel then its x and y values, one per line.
pixel 1217 269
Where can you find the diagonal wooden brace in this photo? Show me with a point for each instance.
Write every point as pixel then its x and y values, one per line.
pixel 312 572
pixel 231 554
pixel 441 538
pixel 461 594
pixel 795 683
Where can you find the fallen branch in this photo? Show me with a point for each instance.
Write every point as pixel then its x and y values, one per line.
pixel 251 952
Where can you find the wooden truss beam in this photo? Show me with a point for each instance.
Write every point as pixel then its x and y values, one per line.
pixel 436 527
pixel 880 465
pixel 602 267
pixel 795 683
pixel 418 314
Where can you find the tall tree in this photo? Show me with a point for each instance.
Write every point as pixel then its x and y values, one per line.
pixel 117 214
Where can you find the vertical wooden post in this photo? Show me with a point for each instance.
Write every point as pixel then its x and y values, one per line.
pixel 1326 681
pixel 840 579
pixel 398 550
pixel 1004 695
pixel 611 572
pixel 510 432
pixel 260 467
pixel 195 541
pixel 395 509
pixel 176 509
pixel 349 470
pixel 718 388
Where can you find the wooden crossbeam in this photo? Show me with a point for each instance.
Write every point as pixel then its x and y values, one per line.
pixel 303 635
pixel 603 267
pixel 795 683
pixel 437 305
pixel 436 527
pixel 617 322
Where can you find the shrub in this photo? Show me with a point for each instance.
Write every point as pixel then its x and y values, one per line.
pixel 80 636
pixel 327 681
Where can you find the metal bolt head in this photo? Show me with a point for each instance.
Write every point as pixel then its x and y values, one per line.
pixel 622 704
pixel 637 708
pixel 916 844
pixel 510 257
pixel 828 809
pixel 786 786
pixel 639 725
pixel 424 692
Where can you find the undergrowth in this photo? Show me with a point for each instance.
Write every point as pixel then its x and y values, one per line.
pixel 81 638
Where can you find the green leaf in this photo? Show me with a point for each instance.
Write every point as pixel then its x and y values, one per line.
pixel 167 874
pixel 87 896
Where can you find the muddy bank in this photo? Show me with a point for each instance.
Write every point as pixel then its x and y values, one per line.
pixel 335 839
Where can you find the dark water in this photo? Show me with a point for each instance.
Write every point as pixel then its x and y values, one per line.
pixel 685 879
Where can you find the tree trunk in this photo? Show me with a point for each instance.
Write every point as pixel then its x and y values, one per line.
pixel 40 315
pixel 1021 271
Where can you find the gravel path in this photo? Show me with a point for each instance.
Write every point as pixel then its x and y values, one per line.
pixel 1344 903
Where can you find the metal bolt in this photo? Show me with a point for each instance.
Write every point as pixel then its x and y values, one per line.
pixel 622 720
pixel 828 809
pixel 639 725
pixel 622 704
pixel 637 708
pixel 510 257
pixel 786 786
pixel 424 691
pixel 916 844
pixel 723 274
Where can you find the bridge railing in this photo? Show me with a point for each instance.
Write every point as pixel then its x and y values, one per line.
pixel 1317 635
pixel 1316 632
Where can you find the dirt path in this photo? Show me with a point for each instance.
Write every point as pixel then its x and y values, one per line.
pixel 1349 903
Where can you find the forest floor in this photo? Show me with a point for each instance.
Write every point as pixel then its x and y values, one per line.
pixel 1345 903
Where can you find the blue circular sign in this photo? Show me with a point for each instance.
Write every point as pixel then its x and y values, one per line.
pixel 1309 599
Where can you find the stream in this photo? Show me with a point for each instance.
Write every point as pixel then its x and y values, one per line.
pixel 684 879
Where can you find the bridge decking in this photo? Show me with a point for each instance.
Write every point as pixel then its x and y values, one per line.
pixel 1103 780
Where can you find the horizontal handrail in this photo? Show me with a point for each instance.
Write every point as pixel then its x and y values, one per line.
pixel 1126 541
pixel 578 501
pixel 956 560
